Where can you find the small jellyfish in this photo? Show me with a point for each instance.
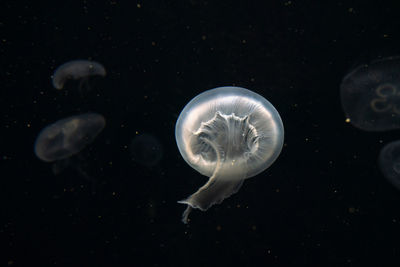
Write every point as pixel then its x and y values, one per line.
pixel 67 137
pixel 389 162
pixel 77 70
pixel 62 140
pixel 228 134
pixel 370 95
pixel 146 149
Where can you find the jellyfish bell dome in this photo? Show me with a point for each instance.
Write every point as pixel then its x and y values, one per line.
pixel 370 95
pixel 237 115
pixel 389 162
pixel 68 136
pixel 228 134
pixel 75 70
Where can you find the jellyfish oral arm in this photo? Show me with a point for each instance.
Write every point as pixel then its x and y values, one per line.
pixel 213 192
pixel 225 181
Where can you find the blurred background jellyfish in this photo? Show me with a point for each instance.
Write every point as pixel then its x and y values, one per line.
pixel 61 140
pixel 370 95
pixel 80 70
pixel 67 137
pixel 146 149
pixel 389 162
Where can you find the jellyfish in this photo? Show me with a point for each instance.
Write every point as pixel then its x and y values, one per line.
pixel 228 134
pixel 77 70
pixel 67 137
pixel 370 95
pixel 59 141
pixel 146 149
pixel 389 163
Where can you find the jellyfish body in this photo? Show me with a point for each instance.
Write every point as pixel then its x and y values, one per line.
pixel 228 134
pixel 146 149
pixel 389 163
pixel 68 136
pixel 370 95
pixel 76 69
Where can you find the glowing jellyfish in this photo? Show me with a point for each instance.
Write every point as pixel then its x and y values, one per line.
pixel 67 137
pixel 371 95
pixel 75 70
pixel 389 162
pixel 228 134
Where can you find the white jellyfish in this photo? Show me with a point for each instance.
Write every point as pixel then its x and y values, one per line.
pixel 389 162
pixel 228 134
pixel 75 70
pixel 371 95
pixel 68 136
pixel 62 140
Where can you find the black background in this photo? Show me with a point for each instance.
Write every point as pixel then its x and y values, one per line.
pixel 324 201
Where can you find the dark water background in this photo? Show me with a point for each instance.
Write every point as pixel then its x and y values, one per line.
pixel 324 202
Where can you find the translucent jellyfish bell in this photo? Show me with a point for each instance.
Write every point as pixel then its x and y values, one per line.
pixel 228 134
pixel 371 95
pixel 75 70
pixel 146 149
pixel 389 163
pixel 67 137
